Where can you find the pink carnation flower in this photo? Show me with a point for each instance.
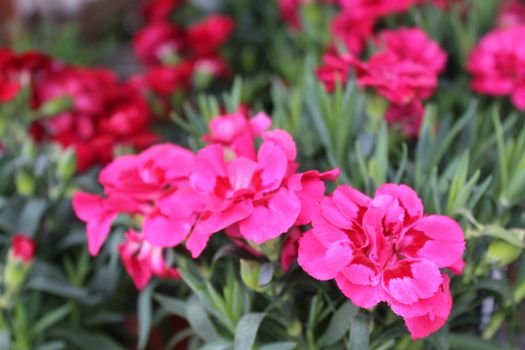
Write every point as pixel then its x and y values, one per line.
pixel 143 260
pixel 353 30
pixel 512 13
pixel 152 185
pixel 157 42
pixel 385 249
pixel 497 65
pixel 335 70
pixel 237 132
pixel 375 8
pixel 258 198
pixel 406 68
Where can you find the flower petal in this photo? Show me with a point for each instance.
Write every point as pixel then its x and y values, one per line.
pixel 271 219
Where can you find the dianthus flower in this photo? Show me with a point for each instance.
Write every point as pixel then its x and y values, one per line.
pixel 404 71
pixel 375 8
pixel 143 260
pixel 152 186
pixel 159 10
pixel 104 114
pixel 158 42
pixel 237 132
pixel 497 65
pixel 512 13
pixel 353 30
pixel 262 197
pixel 385 249
pixel 23 248
pixel 406 68
pixel 207 36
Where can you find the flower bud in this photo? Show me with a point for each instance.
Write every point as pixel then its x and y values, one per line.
pixel 250 273
pixel 67 164
pixel 22 249
pixel 25 183
pixel 19 260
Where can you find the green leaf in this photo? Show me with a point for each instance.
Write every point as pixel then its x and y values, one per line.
pixel 144 315
pixel 502 253
pixel 283 345
pixel 174 305
pixel 199 320
pixel 49 319
pixel 359 333
pixel 5 339
pixel 85 340
pixel 246 331
pixel 54 345
pixel 514 236
pixel 339 324
pixel 470 342
pixel 29 219
pixel 265 274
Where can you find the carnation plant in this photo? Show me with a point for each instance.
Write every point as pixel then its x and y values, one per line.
pixel 282 175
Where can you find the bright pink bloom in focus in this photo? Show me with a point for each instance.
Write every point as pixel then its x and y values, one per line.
pixel 152 185
pixel 497 65
pixel 385 249
pixel 237 132
pixel 241 193
pixel 23 248
pixel 143 261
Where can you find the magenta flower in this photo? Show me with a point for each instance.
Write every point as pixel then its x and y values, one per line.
pixel 406 68
pixel 158 42
pixel 152 185
pixel 353 30
pixel 512 13
pixel 497 65
pixel 237 132
pixel 244 191
pixel 405 71
pixel 385 249
pixel 255 198
pixel 23 248
pixel 143 260
pixel 376 8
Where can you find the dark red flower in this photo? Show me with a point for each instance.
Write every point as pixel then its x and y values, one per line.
pixel 158 42
pixel 207 36
pixel 159 10
pixel 166 80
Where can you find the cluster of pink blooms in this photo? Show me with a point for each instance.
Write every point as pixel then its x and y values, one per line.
pixel 354 24
pixel 177 197
pixel 380 249
pixel 497 63
pixel 404 70
pixel 100 114
pixel 385 249
pixel 176 55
